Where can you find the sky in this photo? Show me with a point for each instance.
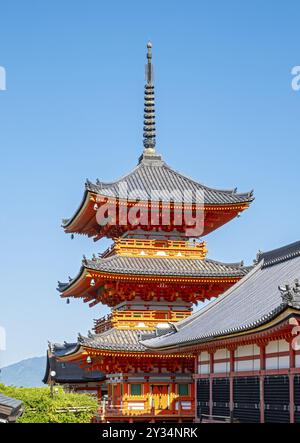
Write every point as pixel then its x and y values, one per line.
pixel 73 108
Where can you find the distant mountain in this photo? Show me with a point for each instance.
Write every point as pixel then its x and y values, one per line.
pixel 27 373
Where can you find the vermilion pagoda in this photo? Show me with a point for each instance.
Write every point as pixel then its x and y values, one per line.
pixel 152 274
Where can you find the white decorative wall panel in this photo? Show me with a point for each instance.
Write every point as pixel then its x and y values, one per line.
pixel 203 369
pixel 221 353
pixel 272 363
pixel 221 367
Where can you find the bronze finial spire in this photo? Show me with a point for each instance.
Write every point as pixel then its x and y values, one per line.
pixel 149 110
pixel 149 67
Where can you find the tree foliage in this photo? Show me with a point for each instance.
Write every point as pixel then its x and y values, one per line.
pixel 64 407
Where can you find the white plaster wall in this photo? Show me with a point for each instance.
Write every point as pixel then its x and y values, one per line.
pixel 203 356
pixel 221 353
pixel 277 346
pixel 272 347
pixel 256 365
pixel 203 369
pixel 221 367
pixel 283 346
pixel 277 362
pixel 246 365
pixel 247 350
pixel 284 362
pixel 272 363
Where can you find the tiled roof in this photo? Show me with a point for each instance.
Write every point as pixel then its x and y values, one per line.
pixel 115 340
pixel 167 266
pixel 162 267
pixel 10 402
pixel 280 254
pixel 252 301
pixel 68 372
pixel 58 349
pixel 111 340
pixel 155 175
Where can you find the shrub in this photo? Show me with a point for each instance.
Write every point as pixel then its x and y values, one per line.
pixel 39 407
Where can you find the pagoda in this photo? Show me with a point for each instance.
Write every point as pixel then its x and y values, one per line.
pixel 152 274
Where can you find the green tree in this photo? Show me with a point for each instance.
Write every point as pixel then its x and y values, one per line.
pixel 39 407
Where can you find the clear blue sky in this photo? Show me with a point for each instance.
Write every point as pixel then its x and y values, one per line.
pixel 226 115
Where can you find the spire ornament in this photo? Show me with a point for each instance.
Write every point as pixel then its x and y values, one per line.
pixel 149 109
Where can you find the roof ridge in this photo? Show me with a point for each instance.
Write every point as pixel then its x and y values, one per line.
pixel 220 333
pixel 186 177
pixel 239 263
pixel 207 260
pixel 118 180
pixel 278 255
pixel 102 184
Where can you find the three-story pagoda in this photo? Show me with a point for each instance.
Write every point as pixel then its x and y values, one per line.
pixel 150 277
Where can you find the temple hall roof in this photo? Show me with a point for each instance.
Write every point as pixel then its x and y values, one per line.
pixel 68 372
pixel 253 301
pixel 10 408
pixel 9 402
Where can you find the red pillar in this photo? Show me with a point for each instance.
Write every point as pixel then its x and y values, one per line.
pixel 292 395
pixel 231 371
pixel 125 387
pixel 262 357
pixel 109 396
pixel 173 392
pixel 99 393
pixel 211 371
pixel 195 388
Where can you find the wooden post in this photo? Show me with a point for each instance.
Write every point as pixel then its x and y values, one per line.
pixel 99 393
pixel 211 371
pixel 262 398
pixel 231 371
pixel 262 358
pixel 291 376
pixel 197 419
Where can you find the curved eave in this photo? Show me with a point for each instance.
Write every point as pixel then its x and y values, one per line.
pixel 172 180
pixel 79 283
pixel 82 351
pixel 85 212
pixel 64 288
pixel 74 355
pixel 45 379
pixel 280 255
pixel 243 198
pixel 67 224
pixel 281 315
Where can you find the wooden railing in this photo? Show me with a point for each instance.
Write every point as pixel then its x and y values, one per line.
pixel 217 419
pixel 133 247
pixel 157 243
pixel 103 324
pixel 161 248
pixel 152 317
pixel 175 408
